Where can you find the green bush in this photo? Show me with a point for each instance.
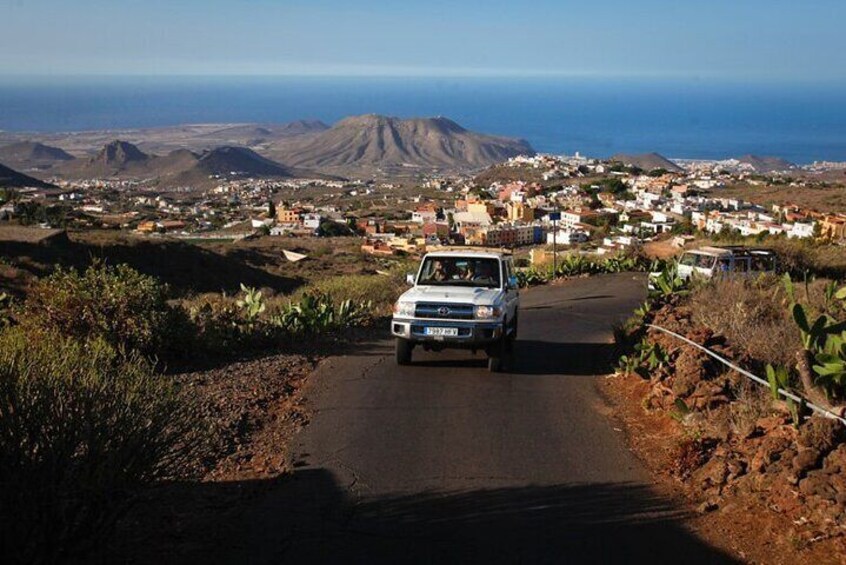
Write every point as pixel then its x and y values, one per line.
pixel 573 265
pixel 123 307
pixel 82 429
pixel 319 313
pixel 217 323
pixel 226 324
pixel 381 290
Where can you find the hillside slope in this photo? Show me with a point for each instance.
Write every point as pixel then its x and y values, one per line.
pixel 766 164
pixel 647 162
pixel 10 178
pixel 25 155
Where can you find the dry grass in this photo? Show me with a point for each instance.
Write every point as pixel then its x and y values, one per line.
pixel 752 314
pixel 738 418
pixel 829 197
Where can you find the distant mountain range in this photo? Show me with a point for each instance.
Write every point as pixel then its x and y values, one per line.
pixel 162 140
pixel 10 178
pixel 121 159
pixel 387 143
pixel 356 146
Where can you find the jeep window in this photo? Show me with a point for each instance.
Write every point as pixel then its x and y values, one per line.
pixel 460 271
pixel 697 260
pixel 763 262
pixel 741 264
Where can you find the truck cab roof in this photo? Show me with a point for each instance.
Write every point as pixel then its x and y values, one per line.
pixel 489 254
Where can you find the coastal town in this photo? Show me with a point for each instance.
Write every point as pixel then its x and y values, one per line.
pixel 593 205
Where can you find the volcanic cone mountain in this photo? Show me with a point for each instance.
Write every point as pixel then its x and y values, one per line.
pixel 381 142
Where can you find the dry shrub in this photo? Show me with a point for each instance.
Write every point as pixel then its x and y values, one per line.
pixel 799 256
pixel 117 304
pixel 751 314
pixel 752 403
pixel 82 430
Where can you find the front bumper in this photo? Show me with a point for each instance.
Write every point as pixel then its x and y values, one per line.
pixel 470 332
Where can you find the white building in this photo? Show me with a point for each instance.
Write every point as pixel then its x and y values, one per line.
pixel 566 237
pixel 312 221
pixel 423 216
pixel 800 230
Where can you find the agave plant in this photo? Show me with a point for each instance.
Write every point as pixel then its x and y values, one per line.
pixel 668 283
pixel 317 313
pixel 252 303
pixel 824 339
pixel 779 378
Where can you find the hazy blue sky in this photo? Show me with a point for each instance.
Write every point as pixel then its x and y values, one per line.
pixel 734 39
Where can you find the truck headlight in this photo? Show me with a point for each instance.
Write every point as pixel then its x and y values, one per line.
pixel 404 309
pixel 488 312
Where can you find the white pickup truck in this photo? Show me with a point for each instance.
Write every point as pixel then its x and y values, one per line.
pixel 459 299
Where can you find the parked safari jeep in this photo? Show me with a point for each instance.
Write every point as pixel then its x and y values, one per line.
pixel 731 261
pixel 459 299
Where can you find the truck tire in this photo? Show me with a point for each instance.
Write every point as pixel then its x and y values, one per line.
pixel 499 355
pixel 403 351
pixel 494 364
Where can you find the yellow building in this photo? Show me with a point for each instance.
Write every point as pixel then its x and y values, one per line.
pixel 833 227
pixel 519 212
pixel 286 216
pixel 479 207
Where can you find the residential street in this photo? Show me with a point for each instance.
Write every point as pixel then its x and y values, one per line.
pixel 445 462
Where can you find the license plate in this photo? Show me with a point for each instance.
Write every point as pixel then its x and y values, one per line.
pixel 442 332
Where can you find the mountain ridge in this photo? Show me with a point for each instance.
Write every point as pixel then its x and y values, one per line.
pixel 180 167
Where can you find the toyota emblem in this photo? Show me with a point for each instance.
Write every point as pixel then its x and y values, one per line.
pixel 443 311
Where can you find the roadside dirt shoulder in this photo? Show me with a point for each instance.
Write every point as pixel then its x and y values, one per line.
pixel 737 523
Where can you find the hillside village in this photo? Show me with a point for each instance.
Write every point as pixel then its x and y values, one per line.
pixel 604 206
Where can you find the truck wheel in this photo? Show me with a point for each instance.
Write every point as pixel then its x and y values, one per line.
pixel 403 351
pixel 494 364
pixel 498 355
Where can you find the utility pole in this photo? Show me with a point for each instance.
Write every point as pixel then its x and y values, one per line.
pixel 555 216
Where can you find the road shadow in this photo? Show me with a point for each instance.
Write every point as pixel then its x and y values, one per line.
pixel 550 305
pixel 310 517
pixel 534 357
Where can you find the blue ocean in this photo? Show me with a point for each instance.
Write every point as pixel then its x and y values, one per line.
pixel 690 119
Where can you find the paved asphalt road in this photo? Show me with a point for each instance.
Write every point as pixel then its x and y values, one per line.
pixel 445 462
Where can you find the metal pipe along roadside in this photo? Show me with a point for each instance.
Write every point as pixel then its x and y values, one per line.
pixel 757 379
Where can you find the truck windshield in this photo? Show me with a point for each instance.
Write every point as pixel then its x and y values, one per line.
pixel 460 271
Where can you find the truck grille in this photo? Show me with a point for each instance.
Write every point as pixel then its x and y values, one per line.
pixel 444 311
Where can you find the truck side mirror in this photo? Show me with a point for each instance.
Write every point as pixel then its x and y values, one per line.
pixel 409 279
pixel 513 282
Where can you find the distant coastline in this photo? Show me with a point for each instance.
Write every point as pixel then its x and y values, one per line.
pixel 693 120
